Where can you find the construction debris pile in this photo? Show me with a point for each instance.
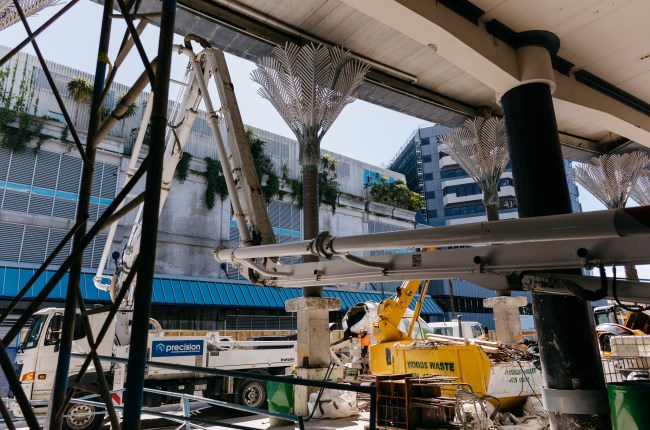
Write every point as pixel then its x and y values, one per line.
pixel 496 351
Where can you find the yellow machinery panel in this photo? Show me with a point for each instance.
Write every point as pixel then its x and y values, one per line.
pixel 466 362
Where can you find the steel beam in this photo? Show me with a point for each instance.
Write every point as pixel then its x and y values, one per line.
pixel 144 283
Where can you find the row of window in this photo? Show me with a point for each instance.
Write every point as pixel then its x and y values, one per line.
pixel 473 188
pixel 475 207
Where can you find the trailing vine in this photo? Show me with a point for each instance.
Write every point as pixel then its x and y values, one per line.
pixel 183 167
pixel 215 181
pixel 328 187
pixel 64 138
pixel 264 167
pixel 19 123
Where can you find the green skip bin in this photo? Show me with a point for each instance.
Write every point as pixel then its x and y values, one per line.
pixel 628 402
pixel 280 397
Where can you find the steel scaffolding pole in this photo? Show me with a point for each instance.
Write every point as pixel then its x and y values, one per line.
pixel 85 191
pixel 144 284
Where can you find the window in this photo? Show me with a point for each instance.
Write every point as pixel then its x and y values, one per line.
pixel 428 176
pixel 442 154
pixel 432 214
pixel 430 194
pixel 453 173
pixel 425 141
pixel 426 158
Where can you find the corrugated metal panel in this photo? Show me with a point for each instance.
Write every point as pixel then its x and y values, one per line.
pixel 192 292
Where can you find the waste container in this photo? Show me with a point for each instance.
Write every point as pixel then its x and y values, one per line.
pixel 280 397
pixel 628 402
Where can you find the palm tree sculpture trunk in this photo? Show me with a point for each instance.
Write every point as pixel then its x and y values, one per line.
pixel 309 86
pixel 611 179
pixel 480 147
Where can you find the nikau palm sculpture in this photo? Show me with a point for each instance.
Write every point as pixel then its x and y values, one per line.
pixel 480 147
pixel 641 191
pixel 309 86
pixel 611 178
pixel 9 14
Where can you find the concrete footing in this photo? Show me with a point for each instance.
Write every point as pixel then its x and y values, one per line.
pixel 313 353
pixel 506 316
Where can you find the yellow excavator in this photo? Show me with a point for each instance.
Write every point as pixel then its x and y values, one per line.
pixel 404 344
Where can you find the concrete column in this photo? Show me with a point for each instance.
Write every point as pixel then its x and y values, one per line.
pixel 506 316
pixel 313 355
pixel 574 393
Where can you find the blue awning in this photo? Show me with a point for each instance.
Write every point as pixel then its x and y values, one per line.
pixel 169 290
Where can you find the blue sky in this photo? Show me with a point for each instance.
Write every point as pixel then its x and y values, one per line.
pixel 363 131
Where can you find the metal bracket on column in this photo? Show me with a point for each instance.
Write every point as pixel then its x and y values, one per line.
pixel 579 402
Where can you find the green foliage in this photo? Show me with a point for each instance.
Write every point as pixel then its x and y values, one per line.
pixel 395 194
pixel 64 138
pixel 264 167
pixel 296 189
pixel 328 187
pixel 80 89
pixel 215 181
pixel 131 110
pixel 147 135
pixel 19 124
pixel 183 167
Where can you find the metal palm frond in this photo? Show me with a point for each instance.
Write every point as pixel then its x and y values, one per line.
pixel 641 191
pixel 9 15
pixel 480 147
pixel 309 85
pixel 610 178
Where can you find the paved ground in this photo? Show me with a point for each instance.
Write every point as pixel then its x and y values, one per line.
pixel 219 415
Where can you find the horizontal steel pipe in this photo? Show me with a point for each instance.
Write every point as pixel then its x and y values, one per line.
pixel 588 225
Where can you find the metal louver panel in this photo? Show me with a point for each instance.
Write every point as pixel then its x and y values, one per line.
pixel 92 212
pixel 33 247
pixel 295 218
pixel 21 170
pixel 97 179
pixel 5 157
pixel 274 213
pixel 12 236
pixel 41 205
pixel 69 174
pixel 64 208
pixel 15 201
pixel 56 236
pixel 47 167
pixel 98 248
pixel 109 181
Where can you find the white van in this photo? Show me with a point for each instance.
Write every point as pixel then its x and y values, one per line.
pixel 471 329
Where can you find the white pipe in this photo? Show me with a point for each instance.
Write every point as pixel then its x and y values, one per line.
pixel 588 225
pixel 239 216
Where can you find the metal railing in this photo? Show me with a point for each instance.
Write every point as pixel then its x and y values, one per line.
pixel 370 390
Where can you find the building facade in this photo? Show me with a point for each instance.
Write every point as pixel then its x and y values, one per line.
pixel 453 197
pixel 39 188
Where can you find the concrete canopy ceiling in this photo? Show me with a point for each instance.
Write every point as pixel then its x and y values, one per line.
pixel 446 60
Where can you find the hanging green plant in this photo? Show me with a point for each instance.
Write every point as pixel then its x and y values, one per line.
pixel 19 124
pixel 64 139
pixel 216 182
pixel 264 167
pixel 183 167
pixel 296 190
pixel 328 187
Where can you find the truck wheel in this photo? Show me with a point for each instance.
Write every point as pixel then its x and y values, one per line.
pixel 84 417
pixel 251 393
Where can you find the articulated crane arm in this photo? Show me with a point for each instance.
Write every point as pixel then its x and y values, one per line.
pixel 234 154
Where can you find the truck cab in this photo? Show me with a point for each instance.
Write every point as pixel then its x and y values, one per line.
pixel 37 355
pixel 471 329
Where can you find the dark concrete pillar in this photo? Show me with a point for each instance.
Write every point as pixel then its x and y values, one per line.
pixel 574 392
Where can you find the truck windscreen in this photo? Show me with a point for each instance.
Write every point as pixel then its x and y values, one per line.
pixel 34 332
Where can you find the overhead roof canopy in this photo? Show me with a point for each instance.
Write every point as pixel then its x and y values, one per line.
pixel 446 60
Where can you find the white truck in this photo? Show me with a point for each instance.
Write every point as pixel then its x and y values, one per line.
pixel 36 359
